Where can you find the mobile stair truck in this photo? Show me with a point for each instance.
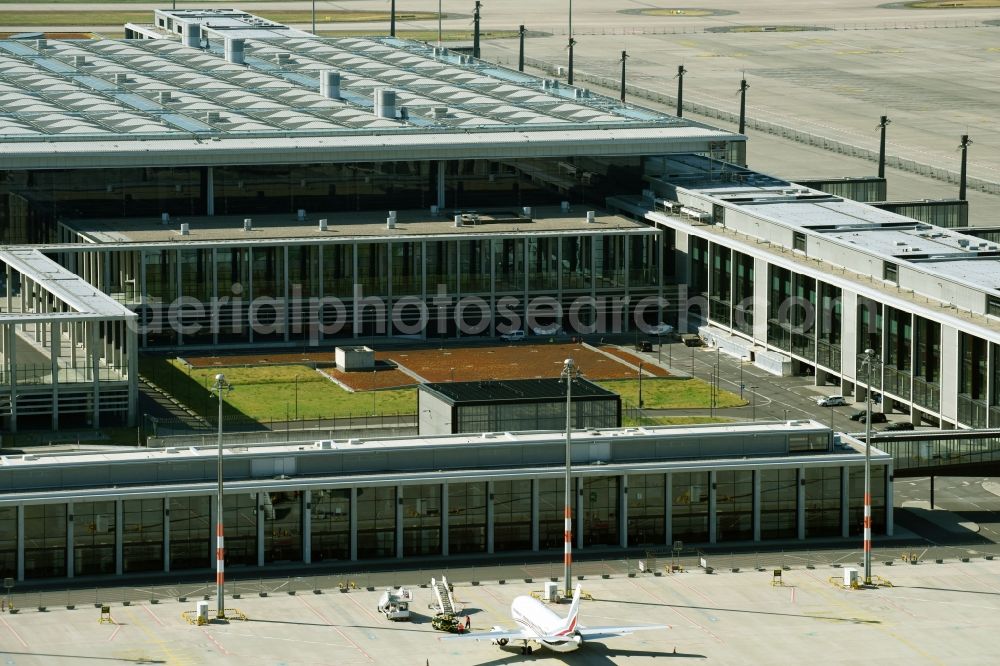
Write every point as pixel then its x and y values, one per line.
pixel 395 603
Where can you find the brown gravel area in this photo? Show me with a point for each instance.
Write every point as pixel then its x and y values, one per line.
pixel 652 369
pixel 370 381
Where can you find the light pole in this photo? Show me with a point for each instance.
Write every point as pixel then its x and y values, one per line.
pixel 640 389
pixel 753 403
pixel 373 392
pixel 871 358
pixel 314 16
pixel 220 387
pixel 569 373
pixel 439 22
pixel 296 397
pixel 570 43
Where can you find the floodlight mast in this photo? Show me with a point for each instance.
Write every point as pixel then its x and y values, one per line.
pixel 871 358
pixel 569 373
pixel 220 387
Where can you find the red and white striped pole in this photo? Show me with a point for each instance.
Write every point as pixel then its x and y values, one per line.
pixel 220 549
pixel 568 373
pixel 869 362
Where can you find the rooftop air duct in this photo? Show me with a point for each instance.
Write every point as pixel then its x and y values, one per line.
pixel 385 102
pixel 192 35
pixel 329 84
pixel 235 50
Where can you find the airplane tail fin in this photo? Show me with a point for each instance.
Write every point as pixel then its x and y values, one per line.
pixel 569 624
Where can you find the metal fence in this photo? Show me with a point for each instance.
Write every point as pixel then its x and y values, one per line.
pixel 776 129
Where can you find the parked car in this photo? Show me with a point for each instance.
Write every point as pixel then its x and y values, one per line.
pixel 644 346
pixel 661 329
pixel 858 416
pixel 877 417
pixel 831 401
pixel 898 425
pixel 513 336
pixel 692 340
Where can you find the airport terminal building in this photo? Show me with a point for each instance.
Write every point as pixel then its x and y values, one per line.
pixel 336 503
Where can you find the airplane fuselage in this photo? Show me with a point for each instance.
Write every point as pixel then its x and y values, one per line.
pixel 533 617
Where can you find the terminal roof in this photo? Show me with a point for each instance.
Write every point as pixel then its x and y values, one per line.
pixel 520 390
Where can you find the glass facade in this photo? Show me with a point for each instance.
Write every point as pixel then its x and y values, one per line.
pixel 8 541
pixel 829 322
pixel 721 282
pixel 647 509
pixel 511 515
pixel 972 362
pixel 689 521
pixel 467 518
pixel 93 538
pixel 856 513
pixel 551 511
pixel 743 293
pixel 734 505
pixel 376 522
pixel 927 363
pixel 779 503
pixel 44 540
pixel 241 529
pixel 142 535
pixel 330 521
pixel 897 353
pixel 822 500
pixel 282 526
pixel 191 533
pixel 600 511
pixel 421 508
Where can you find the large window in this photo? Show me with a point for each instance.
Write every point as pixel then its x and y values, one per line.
pixel 331 525
pixel 600 511
pixel 283 526
pixel 466 518
pixel 856 514
pixel 142 535
pixel 511 515
pixel 93 538
pixel 44 540
pixel 8 541
pixel 191 533
pixel 241 529
pixel 779 503
pixel 646 510
pixel 690 506
pixel 551 505
pixel 422 520
pixel 376 522
pixel 822 502
pixel 734 505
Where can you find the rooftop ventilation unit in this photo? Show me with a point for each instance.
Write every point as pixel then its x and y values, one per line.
pixel 80 61
pixel 235 50
pixel 185 229
pixel 591 217
pixel 248 224
pixel 164 218
pixel 41 44
pixel 581 93
pixel 192 35
pixel 458 220
pixel 166 97
pixel 385 102
pixel 329 84
pixel 121 78
pixel 213 117
pixel 440 112
pixel 323 224
pixel 963 242
pixel 284 58
pixel 301 214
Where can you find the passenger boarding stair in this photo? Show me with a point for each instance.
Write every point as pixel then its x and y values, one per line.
pixel 445 602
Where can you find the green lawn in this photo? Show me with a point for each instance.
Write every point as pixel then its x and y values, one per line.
pixel 669 393
pixel 269 392
pixel 673 420
pixel 425 35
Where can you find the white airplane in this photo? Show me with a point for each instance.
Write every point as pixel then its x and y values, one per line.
pixel 540 625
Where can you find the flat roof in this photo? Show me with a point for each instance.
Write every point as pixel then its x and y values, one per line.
pixel 515 390
pixel 354 225
pixel 115 92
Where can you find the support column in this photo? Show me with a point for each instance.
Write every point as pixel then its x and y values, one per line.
pixel 845 501
pixel 668 508
pixel 353 522
pixel 756 505
pixel 888 500
pixel 11 334
pixel 69 540
pixel 119 537
pixel 20 543
pixel 54 330
pixel 444 519
pixel 166 535
pixel 800 503
pixel 307 526
pixel 490 519
pixel 130 343
pixel 95 368
pixel 440 186
pixel 623 510
pixel 209 192
pixel 711 506
pixel 260 529
pixel 399 521
pixel 534 514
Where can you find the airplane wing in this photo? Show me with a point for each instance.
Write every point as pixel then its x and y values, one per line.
pixel 491 636
pixel 604 633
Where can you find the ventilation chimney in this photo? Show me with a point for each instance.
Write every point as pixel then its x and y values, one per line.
pixel 564 206
pixel 213 117
pixel 526 211
pixel 392 215
pixel 385 102
pixel 458 220
pixel 235 50
pixel 248 224
pixel 434 209
pixel 323 224
pixel 79 60
pixel 284 58
pixel 390 223
pixel 164 218
pixel 185 229
pixel 192 35
pixel 165 97
pixel 329 84
pixel 302 214
pixel 440 111
pixel 121 78
pixel 591 217
pixel 41 44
